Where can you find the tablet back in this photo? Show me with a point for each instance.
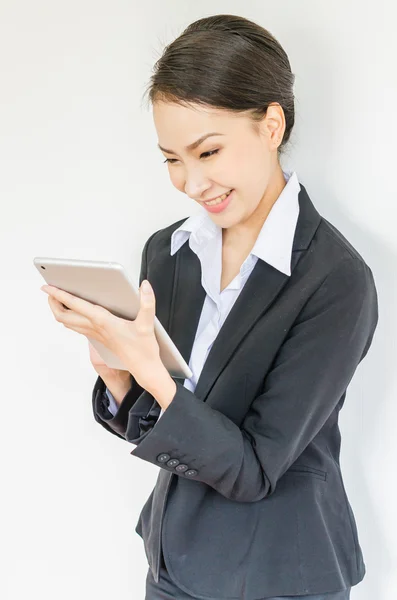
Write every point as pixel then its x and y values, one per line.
pixel 107 284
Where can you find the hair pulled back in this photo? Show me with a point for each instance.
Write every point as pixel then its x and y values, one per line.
pixel 226 62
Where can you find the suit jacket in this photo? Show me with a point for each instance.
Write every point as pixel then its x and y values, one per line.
pixel 249 501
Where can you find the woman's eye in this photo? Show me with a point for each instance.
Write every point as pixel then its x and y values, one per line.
pixel 209 153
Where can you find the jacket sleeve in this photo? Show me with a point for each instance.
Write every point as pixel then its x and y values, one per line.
pixel 115 420
pixel 305 383
pixel 112 405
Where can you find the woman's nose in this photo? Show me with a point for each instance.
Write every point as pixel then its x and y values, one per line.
pixel 196 189
pixel 196 181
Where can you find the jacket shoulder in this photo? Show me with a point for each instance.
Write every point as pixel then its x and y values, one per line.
pixel 332 246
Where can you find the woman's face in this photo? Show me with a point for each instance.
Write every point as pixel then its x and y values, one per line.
pixel 239 158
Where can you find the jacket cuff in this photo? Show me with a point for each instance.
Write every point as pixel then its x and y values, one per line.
pixel 169 443
pixel 116 423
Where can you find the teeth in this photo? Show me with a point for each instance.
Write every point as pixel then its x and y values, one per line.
pixel 218 200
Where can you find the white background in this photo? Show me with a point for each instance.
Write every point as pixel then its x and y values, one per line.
pixel 81 177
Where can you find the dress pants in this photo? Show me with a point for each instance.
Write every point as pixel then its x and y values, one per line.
pixel 166 589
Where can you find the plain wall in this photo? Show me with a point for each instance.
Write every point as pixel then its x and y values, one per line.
pixel 81 177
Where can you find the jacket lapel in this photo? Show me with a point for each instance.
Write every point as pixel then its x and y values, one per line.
pixel 260 290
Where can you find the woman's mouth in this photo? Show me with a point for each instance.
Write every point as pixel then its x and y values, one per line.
pixel 216 206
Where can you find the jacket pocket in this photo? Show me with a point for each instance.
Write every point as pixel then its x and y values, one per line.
pixel 306 470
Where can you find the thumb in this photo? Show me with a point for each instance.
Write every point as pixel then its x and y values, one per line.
pixel 147 308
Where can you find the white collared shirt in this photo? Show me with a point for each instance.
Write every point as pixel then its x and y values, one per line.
pixel 273 245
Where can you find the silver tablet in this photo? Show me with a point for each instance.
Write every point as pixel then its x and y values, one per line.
pixel 107 284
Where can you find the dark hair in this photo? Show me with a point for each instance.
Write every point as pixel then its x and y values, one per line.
pixel 227 62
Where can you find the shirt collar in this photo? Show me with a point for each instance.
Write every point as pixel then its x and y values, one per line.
pixel 274 242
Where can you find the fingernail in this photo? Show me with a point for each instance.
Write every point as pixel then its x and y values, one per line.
pixel 146 287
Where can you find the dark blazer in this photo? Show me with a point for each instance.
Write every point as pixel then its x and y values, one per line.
pixel 249 500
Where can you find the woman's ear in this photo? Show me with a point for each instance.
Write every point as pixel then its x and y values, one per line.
pixel 274 125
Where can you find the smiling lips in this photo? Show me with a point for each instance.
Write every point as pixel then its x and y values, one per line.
pixel 218 205
pixel 217 200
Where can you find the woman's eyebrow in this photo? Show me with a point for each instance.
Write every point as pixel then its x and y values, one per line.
pixel 194 144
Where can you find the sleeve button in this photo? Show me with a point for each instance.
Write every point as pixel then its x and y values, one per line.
pixel 191 473
pixel 163 457
pixel 181 467
pixel 173 462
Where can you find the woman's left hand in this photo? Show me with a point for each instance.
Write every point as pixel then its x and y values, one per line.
pixel 134 342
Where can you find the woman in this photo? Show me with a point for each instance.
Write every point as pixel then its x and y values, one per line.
pixel 273 309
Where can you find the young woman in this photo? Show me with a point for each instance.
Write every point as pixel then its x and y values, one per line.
pixel 273 309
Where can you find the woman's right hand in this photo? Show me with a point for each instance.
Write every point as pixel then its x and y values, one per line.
pixel 117 381
pixel 106 373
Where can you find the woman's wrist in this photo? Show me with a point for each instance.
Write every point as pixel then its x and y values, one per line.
pixel 163 388
pixel 118 385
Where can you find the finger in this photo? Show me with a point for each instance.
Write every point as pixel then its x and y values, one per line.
pixel 68 317
pixel 87 309
pixel 144 321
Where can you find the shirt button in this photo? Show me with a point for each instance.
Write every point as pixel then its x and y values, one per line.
pixel 163 457
pixel 173 462
pixel 191 473
pixel 181 467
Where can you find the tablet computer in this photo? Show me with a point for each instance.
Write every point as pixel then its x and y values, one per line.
pixel 107 284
